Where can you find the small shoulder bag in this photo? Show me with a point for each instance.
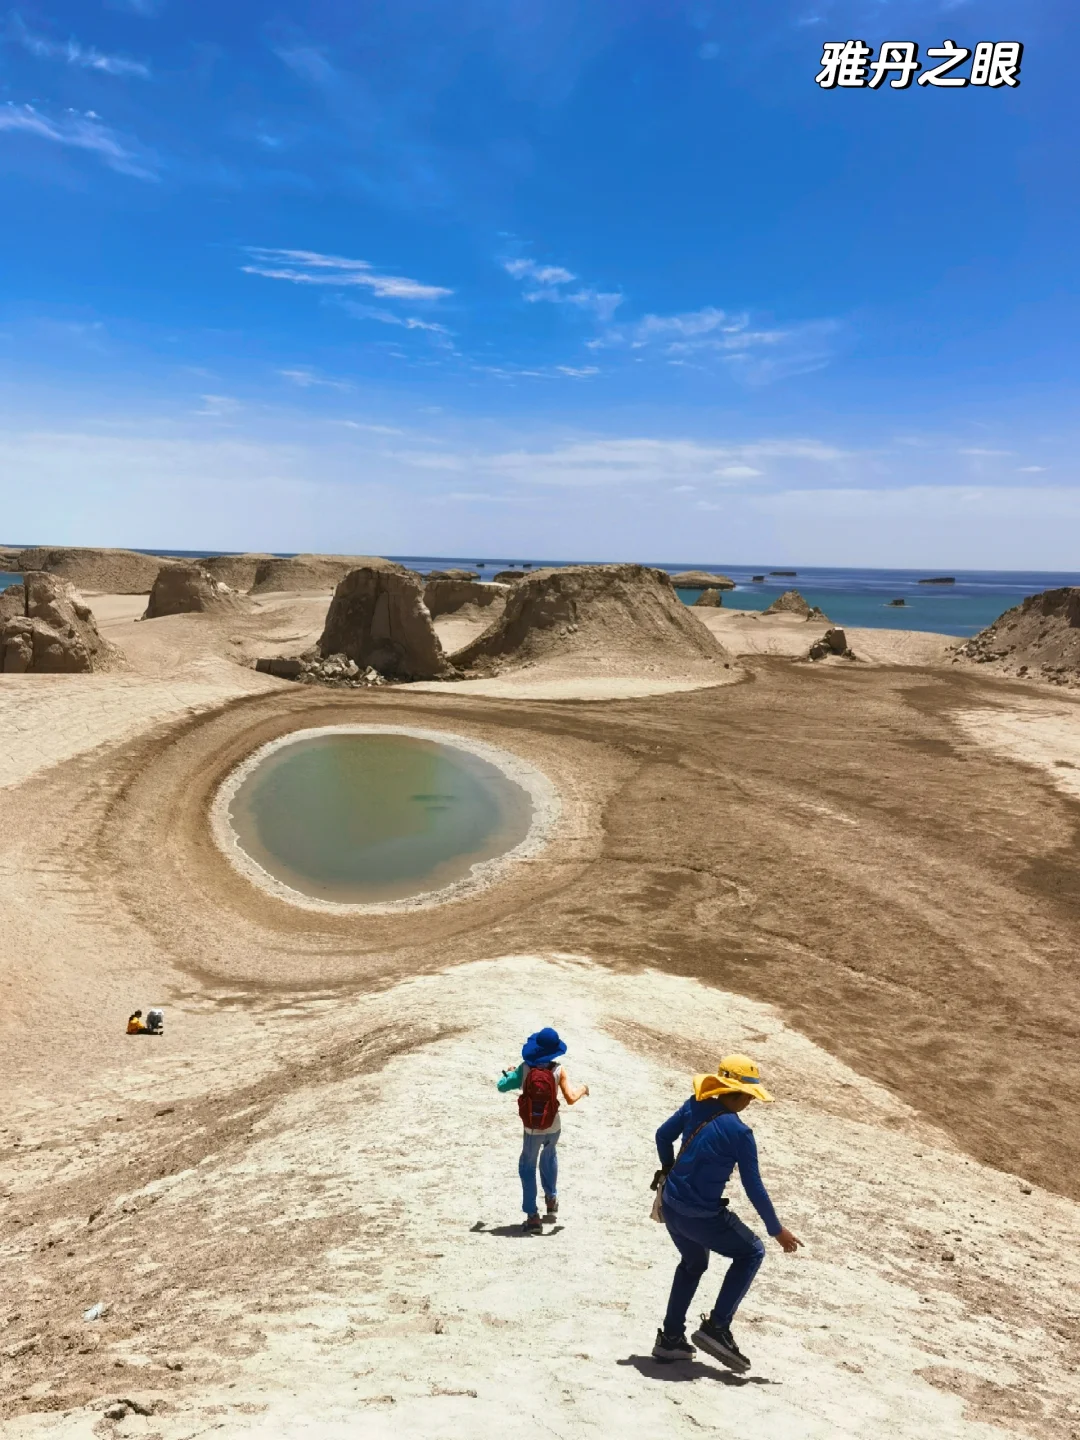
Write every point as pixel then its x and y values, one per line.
pixel 659 1180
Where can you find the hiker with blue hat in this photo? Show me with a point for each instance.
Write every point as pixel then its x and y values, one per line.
pixel 540 1079
pixel 690 1202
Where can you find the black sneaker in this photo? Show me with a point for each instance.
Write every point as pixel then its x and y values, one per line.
pixel 721 1344
pixel 533 1225
pixel 551 1214
pixel 672 1347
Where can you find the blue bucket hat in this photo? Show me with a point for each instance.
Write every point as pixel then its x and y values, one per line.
pixel 543 1046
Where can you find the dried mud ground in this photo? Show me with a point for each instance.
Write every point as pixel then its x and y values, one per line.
pixel 298 1206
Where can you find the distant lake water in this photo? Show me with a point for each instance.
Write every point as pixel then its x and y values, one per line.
pixel 847 596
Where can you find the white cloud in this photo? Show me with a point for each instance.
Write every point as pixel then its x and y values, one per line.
pixel 757 354
pixel 1031 469
pixel 80 132
pixel 307 378
pixel 547 282
pixel 977 450
pixel 371 429
pixel 72 53
pixel 542 274
pixel 218 405
pixel 549 372
pixel 387 317
pixel 307 61
pixel 308 267
pixel 653 462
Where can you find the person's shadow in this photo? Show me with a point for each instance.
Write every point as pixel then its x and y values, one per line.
pixel 676 1370
pixel 514 1232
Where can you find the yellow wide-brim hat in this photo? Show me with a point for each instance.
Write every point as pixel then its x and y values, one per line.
pixel 734 1073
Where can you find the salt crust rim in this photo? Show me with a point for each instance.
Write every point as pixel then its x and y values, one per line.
pixel 546 808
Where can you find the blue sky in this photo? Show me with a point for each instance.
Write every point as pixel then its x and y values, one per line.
pixel 609 279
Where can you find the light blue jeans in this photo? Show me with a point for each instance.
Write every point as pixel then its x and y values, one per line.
pixel 542 1148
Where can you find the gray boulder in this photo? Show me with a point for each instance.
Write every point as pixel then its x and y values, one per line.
pixel 378 618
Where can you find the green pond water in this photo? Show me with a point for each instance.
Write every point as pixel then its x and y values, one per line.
pixel 359 819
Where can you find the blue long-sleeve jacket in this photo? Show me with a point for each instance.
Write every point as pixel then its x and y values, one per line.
pixel 696 1183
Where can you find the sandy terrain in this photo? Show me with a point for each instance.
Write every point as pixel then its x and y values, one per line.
pixel 747 632
pixel 317 1254
pixel 865 875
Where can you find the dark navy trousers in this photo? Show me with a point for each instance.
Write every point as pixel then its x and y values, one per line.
pixel 697 1237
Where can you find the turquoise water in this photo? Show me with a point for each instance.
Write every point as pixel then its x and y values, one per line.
pixel 8 578
pixel 360 819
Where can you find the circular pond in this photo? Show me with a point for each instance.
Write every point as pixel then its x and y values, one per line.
pixel 380 817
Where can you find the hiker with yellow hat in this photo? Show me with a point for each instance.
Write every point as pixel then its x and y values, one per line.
pixel 698 1217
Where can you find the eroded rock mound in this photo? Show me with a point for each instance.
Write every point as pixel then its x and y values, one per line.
pixel 114 572
pixel 792 603
pixel 507 577
pixel 616 619
pixel 313 572
pixel 236 571
pixel 833 642
pixel 701 580
pixel 1039 638
pixel 186 590
pixel 452 575
pixel 378 618
pixel 709 598
pixel 53 631
pixel 447 597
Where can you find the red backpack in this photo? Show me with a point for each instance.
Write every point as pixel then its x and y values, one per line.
pixel 538 1103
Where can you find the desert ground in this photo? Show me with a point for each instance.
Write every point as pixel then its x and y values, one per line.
pixel 299 1207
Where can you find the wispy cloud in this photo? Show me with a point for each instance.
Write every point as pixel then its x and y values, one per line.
pixel 146 8
pixel 308 267
pixel 308 379
pixel 80 132
pixel 647 461
pixel 758 353
pixel 218 405
pixel 70 52
pixel 542 372
pixel 549 283
pixel 542 274
pixel 387 317
pixel 307 61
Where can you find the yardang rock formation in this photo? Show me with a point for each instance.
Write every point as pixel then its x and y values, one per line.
pixel 54 633
pixel 626 619
pixel 1039 637
pixel 184 590
pixel 378 618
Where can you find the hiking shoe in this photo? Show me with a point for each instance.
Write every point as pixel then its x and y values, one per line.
pixel 552 1212
pixel 720 1344
pixel 533 1225
pixel 672 1347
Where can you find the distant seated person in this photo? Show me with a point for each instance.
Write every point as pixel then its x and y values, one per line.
pixel 153 1025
